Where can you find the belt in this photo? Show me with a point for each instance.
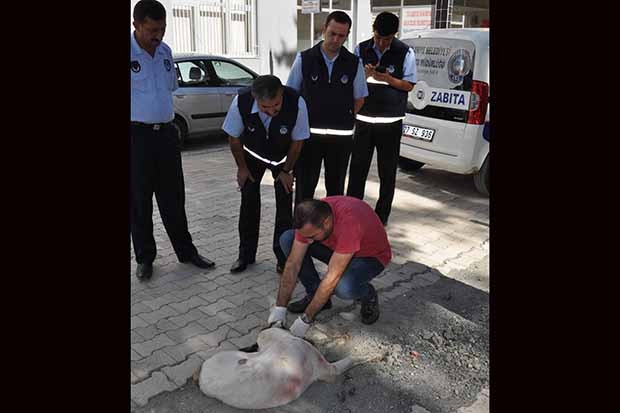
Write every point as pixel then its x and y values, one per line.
pixel 154 126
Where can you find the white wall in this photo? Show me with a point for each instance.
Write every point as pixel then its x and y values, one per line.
pixel 363 24
pixel 277 36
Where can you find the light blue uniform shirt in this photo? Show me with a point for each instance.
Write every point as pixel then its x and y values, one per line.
pixel 153 79
pixel 233 124
pixel 409 67
pixel 295 78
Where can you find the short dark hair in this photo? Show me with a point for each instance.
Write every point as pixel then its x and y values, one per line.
pixel 266 87
pixel 311 211
pixel 339 17
pixel 386 23
pixel 149 8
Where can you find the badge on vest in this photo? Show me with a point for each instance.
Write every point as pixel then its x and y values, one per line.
pixel 314 77
pixel 167 65
pixel 135 66
pixel 283 130
pixel 344 79
pixel 391 69
pixel 251 129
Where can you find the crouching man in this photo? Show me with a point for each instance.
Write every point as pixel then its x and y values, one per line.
pixel 346 234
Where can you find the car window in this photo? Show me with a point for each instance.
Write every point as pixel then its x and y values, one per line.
pixel 231 75
pixel 183 74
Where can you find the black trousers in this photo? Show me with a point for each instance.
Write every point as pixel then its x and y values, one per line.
pixel 156 168
pixel 249 215
pixel 335 152
pixel 386 138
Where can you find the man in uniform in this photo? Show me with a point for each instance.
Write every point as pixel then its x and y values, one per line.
pixel 267 125
pixel 347 235
pixel 391 73
pixel 331 79
pixel 155 158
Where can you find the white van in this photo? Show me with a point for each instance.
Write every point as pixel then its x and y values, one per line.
pixel 447 121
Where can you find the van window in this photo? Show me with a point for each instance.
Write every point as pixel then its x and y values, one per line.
pixel 445 64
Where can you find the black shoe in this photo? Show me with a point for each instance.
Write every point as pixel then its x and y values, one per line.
pixel 279 268
pixel 200 261
pixel 300 306
pixel 144 271
pixel 370 307
pixel 241 264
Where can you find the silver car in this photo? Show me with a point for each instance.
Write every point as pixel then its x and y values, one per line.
pixel 207 86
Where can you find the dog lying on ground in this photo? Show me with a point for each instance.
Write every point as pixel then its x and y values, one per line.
pixel 278 373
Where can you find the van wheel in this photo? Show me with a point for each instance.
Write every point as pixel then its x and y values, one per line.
pixel 409 164
pixel 481 178
pixel 181 131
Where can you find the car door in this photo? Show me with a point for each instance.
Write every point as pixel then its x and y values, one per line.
pixel 230 77
pixel 197 98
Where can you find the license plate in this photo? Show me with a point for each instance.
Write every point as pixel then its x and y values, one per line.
pixel 418 133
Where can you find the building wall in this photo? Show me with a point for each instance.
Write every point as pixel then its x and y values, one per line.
pixel 276 22
pixel 277 36
pixel 363 21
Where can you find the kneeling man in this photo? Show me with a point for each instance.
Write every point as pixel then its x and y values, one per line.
pixel 346 234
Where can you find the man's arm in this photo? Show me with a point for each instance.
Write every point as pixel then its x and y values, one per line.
pixel 300 132
pixel 243 173
pixel 295 75
pixel 357 105
pixel 409 77
pixel 360 87
pixel 392 81
pixel 285 177
pixel 337 265
pixel 289 275
pixel 233 126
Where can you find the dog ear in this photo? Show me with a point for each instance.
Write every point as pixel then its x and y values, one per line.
pixel 250 349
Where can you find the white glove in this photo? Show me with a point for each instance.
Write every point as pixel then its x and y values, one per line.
pixel 299 328
pixel 278 314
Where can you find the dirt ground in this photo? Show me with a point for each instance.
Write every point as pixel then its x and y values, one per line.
pixel 435 347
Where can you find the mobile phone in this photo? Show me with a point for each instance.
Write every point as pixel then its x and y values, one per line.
pixel 380 69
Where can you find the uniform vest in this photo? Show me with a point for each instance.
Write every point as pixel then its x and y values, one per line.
pixel 329 101
pixel 269 146
pixel 384 100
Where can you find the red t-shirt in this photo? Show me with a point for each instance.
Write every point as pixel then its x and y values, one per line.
pixel 357 229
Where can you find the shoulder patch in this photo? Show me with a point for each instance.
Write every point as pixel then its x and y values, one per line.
pixel 135 66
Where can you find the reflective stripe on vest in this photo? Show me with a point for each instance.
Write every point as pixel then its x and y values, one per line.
pixel 257 156
pixel 339 132
pixel 376 82
pixel 369 119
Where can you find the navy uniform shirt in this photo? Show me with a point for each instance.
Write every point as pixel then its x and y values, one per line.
pixel 409 67
pixel 295 77
pixel 153 79
pixel 233 124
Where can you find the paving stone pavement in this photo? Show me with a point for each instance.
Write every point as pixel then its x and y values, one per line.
pixel 183 315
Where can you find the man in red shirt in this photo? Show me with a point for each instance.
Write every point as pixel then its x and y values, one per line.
pixel 346 234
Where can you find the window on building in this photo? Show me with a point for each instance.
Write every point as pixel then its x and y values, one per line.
pixel 445 13
pixel 226 27
pixel 310 26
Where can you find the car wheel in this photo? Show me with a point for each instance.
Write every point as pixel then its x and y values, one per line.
pixel 181 131
pixel 481 178
pixel 409 164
